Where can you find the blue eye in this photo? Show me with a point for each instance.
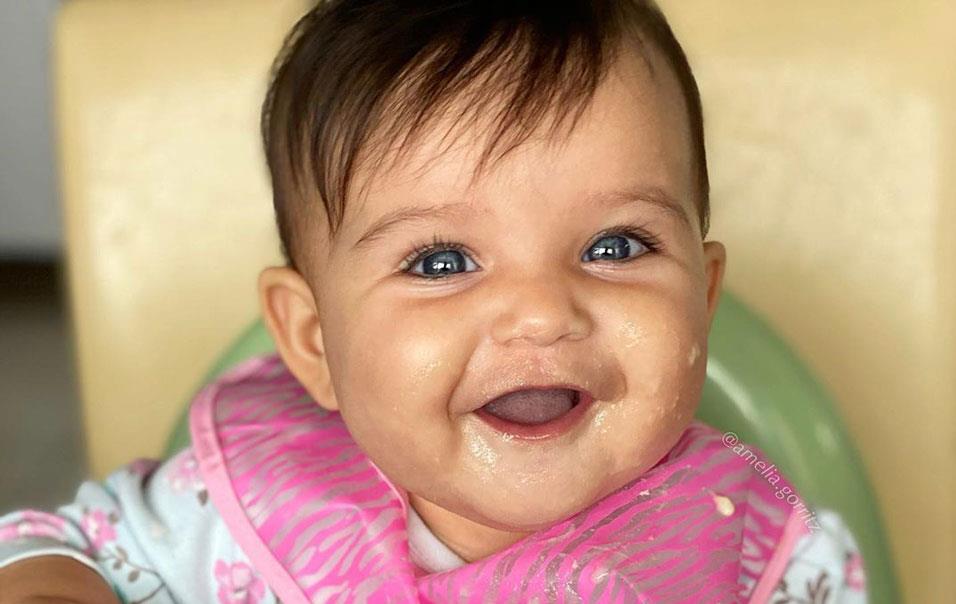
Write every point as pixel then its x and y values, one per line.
pixel 616 245
pixel 438 260
pixel 441 259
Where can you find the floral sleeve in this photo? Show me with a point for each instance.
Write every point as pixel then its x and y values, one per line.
pixel 149 531
pixel 825 567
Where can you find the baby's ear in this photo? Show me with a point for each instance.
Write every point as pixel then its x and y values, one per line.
pixel 290 314
pixel 715 262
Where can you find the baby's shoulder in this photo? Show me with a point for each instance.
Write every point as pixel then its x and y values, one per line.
pixel 149 529
pixel 825 565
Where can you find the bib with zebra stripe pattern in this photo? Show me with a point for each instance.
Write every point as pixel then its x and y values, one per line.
pixel 322 523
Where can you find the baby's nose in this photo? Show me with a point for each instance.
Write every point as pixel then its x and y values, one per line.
pixel 541 311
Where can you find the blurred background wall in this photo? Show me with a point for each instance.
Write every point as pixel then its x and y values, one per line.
pixel 41 452
pixel 832 142
pixel 29 216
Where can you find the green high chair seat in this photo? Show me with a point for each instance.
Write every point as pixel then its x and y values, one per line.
pixel 759 389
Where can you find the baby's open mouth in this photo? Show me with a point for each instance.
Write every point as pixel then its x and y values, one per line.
pixel 533 407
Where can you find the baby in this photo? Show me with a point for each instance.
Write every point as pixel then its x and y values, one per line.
pixel 491 340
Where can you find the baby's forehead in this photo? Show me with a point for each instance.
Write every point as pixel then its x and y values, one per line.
pixel 635 122
pixel 484 112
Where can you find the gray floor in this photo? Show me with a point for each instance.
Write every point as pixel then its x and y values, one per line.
pixel 41 446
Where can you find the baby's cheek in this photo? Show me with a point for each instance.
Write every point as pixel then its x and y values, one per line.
pixel 663 366
pixel 663 360
pixel 404 360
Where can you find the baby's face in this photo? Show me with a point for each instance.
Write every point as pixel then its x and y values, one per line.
pixel 535 294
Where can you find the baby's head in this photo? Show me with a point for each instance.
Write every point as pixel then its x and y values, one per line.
pixel 480 196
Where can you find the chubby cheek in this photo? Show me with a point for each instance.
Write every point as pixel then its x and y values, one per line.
pixel 393 374
pixel 660 338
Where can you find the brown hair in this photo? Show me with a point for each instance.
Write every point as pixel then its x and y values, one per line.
pixel 349 69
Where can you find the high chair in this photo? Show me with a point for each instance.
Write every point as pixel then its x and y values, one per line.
pixel 168 220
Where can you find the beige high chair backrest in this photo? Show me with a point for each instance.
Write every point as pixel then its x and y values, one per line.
pixel 832 140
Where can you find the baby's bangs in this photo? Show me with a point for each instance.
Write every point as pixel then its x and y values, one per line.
pixel 521 76
pixel 358 81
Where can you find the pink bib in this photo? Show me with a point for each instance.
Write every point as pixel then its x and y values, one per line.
pixel 321 523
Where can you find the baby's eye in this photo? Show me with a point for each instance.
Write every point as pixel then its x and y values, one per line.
pixel 617 246
pixel 438 260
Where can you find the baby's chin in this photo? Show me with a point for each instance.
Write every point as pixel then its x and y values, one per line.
pixel 500 509
pixel 556 487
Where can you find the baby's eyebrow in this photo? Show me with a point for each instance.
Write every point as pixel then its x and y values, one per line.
pixel 655 196
pixel 392 219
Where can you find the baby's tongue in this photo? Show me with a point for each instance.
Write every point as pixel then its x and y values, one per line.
pixel 531 406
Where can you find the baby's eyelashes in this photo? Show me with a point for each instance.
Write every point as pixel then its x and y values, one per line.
pixel 442 258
